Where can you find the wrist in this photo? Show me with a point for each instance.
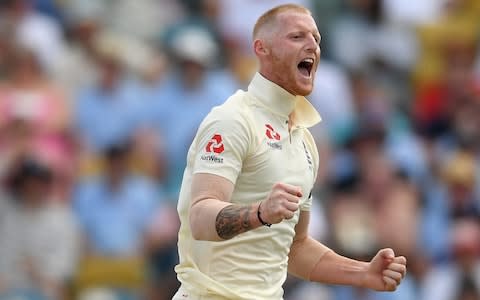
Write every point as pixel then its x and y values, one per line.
pixel 261 218
pixel 364 281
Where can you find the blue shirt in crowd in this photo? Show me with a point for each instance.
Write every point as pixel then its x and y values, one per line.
pixel 115 221
pixel 105 118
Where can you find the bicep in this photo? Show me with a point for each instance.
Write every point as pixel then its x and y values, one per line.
pixel 220 147
pixel 210 186
pixel 209 195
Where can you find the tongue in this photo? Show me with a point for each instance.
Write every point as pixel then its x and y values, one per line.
pixel 304 71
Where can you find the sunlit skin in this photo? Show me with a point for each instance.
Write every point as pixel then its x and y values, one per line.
pixel 281 47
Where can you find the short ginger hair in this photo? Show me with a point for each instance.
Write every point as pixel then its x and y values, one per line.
pixel 271 15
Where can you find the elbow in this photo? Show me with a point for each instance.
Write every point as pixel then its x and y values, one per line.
pixel 197 236
pixel 194 226
pixel 197 227
pixel 202 216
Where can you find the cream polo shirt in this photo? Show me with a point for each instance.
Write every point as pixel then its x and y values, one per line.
pixel 246 140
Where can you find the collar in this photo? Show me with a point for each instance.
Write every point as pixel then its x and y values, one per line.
pixel 280 102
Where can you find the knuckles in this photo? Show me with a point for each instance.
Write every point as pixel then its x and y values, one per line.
pixel 279 204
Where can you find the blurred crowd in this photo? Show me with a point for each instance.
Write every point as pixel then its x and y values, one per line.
pixel 99 101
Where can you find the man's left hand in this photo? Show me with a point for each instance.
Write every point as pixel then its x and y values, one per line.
pixel 385 271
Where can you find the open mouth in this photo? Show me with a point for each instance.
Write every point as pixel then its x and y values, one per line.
pixel 305 66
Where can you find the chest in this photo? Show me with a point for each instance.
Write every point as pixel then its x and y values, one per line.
pixel 30 233
pixel 281 155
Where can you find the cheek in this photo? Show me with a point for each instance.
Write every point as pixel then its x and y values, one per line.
pixel 282 65
pixel 283 57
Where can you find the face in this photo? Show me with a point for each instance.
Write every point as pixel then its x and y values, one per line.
pixel 293 53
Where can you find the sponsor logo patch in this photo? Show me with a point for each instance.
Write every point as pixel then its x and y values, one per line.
pixel 213 148
pixel 273 137
pixel 215 144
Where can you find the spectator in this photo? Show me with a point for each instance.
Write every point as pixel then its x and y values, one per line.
pixel 379 204
pixel 125 206
pixel 191 91
pixel 452 199
pixel 116 212
pixel 79 55
pixel 361 39
pixel 332 82
pixel 459 278
pixel 34 115
pixel 35 31
pixel 458 19
pixel 107 112
pixel 143 19
pixel 39 237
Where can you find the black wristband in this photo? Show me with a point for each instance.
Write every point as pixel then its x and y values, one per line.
pixel 260 218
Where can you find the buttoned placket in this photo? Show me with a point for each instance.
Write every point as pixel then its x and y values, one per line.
pixel 290 129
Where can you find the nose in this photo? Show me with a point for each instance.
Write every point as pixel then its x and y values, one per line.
pixel 312 45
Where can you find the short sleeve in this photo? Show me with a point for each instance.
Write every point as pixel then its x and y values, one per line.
pixel 307 204
pixel 221 145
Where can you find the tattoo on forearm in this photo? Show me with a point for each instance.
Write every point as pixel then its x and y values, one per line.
pixel 233 220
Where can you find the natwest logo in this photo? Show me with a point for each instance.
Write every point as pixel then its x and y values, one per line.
pixel 215 144
pixel 271 133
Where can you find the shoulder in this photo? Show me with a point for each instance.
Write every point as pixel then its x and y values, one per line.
pixel 236 104
pixel 234 113
pixel 229 125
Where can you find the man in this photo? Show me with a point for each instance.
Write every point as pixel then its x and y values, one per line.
pixel 252 164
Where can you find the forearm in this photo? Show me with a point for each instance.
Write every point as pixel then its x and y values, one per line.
pixel 333 268
pixel 215 220
pixel 313 261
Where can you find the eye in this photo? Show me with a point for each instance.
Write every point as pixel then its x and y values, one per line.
pixel 296 36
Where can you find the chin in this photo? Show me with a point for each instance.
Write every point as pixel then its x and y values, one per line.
pixel 303 90
pixel 303 86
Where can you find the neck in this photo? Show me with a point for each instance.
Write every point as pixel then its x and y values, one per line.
pixel 270 75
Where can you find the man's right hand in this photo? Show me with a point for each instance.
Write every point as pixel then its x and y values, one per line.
pixel 282 203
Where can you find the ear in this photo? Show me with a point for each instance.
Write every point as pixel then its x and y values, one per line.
pixel 260 48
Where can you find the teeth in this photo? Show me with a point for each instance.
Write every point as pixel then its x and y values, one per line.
pixel 308 60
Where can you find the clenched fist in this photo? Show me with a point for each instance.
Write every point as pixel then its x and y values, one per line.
pixel 385 271
pixel 282 203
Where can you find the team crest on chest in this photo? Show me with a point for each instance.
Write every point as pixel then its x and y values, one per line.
pixel 273 137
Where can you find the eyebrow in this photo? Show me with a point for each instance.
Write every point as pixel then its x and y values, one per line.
pixel 316 34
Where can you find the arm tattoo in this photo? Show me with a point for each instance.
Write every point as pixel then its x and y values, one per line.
pixel 233 220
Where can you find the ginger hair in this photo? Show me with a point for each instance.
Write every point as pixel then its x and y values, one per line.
pixel 270 17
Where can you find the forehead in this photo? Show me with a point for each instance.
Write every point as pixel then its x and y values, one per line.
pixel 296 20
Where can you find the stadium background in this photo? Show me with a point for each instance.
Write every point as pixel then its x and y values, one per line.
pixel 99 101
